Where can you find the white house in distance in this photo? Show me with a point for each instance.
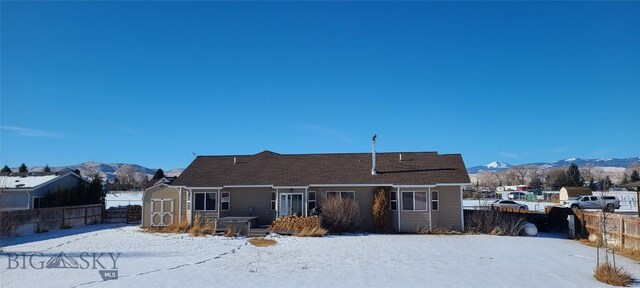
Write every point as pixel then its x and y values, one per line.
pixel 21 191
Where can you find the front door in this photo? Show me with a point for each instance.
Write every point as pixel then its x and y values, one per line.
pixel 291 203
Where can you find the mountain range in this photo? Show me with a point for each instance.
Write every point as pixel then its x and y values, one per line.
pixel 601 162
pixel 109 170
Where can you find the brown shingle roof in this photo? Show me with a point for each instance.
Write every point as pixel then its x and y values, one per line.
pixel 269 168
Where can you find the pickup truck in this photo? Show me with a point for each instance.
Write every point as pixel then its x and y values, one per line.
pixel 610 203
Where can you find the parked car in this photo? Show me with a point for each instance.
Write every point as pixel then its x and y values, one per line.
pixel 610 203
pixel 509 204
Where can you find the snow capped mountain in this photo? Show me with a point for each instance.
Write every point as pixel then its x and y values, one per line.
pixel 493 166
pixel 611 163
pixel 497 165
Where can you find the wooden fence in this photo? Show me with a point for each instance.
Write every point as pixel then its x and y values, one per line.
pixel 622 230
pixel 129 214
pixel 22 222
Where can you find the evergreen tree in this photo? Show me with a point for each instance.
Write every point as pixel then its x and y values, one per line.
pixel 95 193
pixel 23 168
pixel 46 168
pixel 606 183
pixel 634 176
pixel 573 176
pixel 592 184
pixel 159 174
pixel 77 171
pixel 536 182
pixel 6 169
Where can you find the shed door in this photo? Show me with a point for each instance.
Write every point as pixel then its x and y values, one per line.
pixel 161 212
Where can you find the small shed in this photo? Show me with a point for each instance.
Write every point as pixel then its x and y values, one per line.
pixel 161 205
pixel 568 192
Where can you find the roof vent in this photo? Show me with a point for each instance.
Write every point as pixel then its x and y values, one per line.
pixel 400 155
pixel 235 160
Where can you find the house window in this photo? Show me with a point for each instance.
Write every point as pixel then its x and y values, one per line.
pixel 273 200
pixel 225 198
pixel 393 200
pixel 343 194
pixel 36 202
pixel 205 201
pixel 188 200
pixel 434 200
pixel 312 200
pixel 414 201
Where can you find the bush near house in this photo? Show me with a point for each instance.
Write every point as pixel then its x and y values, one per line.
pixel 495 222
pixel 200 227
pixel 381 211
pixel 340 215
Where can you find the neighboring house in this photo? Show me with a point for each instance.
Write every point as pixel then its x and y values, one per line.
pixel 21 191
pixel 425 188
pixel 568 192
pixel 164 180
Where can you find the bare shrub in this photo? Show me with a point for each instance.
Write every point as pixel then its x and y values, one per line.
pixel 181 226
pixel 381 211
pixel 616 276
pixel 341 215
pixel 201 227
pixel 495 222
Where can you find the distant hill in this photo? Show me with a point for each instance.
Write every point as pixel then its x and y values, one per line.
pixel 109 170
pixel 601 162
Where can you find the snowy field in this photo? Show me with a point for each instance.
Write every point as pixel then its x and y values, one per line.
pixel 164 260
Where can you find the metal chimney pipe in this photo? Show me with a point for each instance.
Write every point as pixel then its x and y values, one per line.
pixel 373 156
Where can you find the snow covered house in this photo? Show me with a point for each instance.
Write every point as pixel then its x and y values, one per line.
pixel 425 188
pixel 21 191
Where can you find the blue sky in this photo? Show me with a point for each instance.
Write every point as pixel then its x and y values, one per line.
pixel 152 82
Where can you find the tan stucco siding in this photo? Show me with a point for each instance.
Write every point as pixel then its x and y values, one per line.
pixel 159 192
pixel 450 207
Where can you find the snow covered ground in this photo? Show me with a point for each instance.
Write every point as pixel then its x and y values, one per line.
pixel 625 206
pixel 534 206
pixel 169 260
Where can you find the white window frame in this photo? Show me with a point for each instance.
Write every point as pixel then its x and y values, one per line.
pixel 215 208
pixel 437 200
pixel 223 200
pixel 394 193
pixel 274 197
pixel 340 193
pixel 188 200
pixel 413 198
pixel 315 199
pixel 33 202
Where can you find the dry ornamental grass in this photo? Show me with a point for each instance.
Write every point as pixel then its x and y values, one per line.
pixel 615 276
